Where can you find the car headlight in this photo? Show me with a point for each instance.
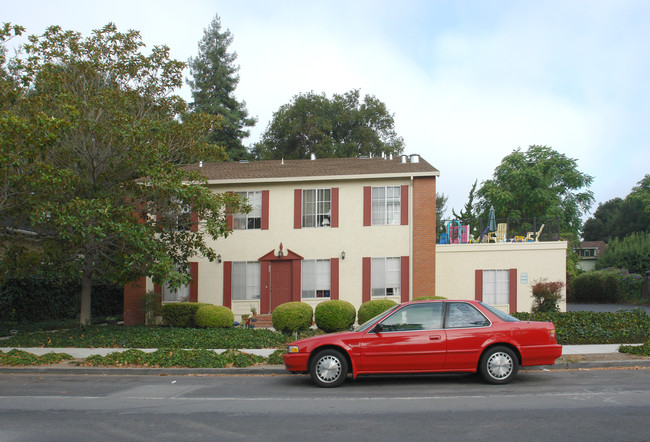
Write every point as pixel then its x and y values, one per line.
pixel 292 349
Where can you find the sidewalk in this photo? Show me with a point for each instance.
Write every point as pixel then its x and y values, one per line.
pixel 574 357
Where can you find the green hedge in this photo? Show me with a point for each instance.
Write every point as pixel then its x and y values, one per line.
pixel 292 317
pixel 214 316
pixel 46 298
pixel 608 286
pixel 180 314
pixel 370 309
pixel 575 328
pixel 335 315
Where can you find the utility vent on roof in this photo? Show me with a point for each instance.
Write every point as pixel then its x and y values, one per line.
pixel 404 157
pixel 390 156
pixel 415 158
pixel 243 161
pixel 313 156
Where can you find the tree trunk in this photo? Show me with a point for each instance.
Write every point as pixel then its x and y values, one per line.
pixel 86 288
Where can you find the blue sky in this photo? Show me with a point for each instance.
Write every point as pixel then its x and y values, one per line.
pixel 467 81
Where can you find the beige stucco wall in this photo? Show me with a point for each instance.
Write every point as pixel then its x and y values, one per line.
pixel 311 243
pixel 456 265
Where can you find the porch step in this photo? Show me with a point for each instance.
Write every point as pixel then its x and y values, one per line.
pixel 262 321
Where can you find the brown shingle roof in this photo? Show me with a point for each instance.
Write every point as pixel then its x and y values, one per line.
pixel 325 167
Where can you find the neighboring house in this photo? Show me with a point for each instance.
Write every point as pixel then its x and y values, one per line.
pixel 589 252
pixel 354 229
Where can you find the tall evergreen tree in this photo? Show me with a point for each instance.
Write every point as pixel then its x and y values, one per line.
pixel 214 80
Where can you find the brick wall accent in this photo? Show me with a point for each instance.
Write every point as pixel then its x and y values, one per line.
pixel 133 305
pixel 424 236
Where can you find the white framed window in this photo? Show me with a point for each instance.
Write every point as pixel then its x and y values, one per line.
pixel 181 294
pixel 316 207
pixel 496 287
pixel 386 205
pixel 246 280
pixel 253 219
pixel 316 278
pixel 385 277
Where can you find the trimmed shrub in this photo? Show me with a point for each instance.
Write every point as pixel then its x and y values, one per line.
pixel 428 298
pixel 598 286
pixel 292 317
pixel 370 309
pixel 214 316
pixel 335 315
pixel 546 296
pixel 631 252
pixel 180 314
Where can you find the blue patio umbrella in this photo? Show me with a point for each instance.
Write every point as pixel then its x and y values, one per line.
pixel 492 221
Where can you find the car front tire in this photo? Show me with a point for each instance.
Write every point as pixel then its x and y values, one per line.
pixel 499 365
pixel 329 368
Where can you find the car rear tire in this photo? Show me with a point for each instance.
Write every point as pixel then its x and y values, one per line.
pixel 499 365
pixel 329 368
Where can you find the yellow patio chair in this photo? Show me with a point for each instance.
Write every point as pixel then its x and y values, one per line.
pixel 501 235
pixel 535 235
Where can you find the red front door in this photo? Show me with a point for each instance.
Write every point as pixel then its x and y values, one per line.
pixel 280 284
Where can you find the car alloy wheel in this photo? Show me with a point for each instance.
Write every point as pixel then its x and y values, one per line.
pixel 499 365
pixel 329 368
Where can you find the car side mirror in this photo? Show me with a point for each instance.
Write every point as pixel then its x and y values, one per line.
pixel 377 328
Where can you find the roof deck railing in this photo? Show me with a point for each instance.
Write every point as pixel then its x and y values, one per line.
pixel 453 231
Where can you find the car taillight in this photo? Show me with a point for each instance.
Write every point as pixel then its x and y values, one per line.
pixel 551 334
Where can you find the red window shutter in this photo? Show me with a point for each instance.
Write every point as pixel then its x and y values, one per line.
pixel 513 290
pixel 365 289
pixel 229 219
pixel 478 285
pixel 404 275
pixel 265 210
pixel 227 284
pixel 297 208
pixel 157 289
pixel 334 278
pixel 194 285
pixel 334 222
pixel 367 205
pixel 404 205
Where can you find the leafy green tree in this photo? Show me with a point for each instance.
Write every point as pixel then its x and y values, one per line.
pixel 618 218
pixel 340 127
pixel 214 80
pixel 105 195
pixel 539 182
pixel 631 253
pixel 441 203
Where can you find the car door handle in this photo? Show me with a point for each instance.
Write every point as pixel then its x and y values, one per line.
pixel 434 337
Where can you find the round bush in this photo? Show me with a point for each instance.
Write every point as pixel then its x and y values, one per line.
pixel 597 286
pixel 292 317
pixel 428 298
pixel 370 309
pixel 214 316
pixel 335 315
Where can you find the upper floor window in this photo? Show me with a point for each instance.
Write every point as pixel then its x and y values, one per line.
pixel 496 287
pixel 253 219
pixel 386 205
pixel 245 280
pixel 316 207
pixel 316 278
pixel 385 277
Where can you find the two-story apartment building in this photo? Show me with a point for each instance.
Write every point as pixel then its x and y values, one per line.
pixel 341 228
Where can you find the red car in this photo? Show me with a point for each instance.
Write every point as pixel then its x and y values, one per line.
pixel 428 337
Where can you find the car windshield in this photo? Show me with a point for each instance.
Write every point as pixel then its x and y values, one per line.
pixel 501 315
pixel 369 322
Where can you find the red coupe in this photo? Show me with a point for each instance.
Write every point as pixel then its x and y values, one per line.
pixel 428 337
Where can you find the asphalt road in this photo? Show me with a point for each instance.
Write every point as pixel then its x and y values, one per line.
pixel 559 405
